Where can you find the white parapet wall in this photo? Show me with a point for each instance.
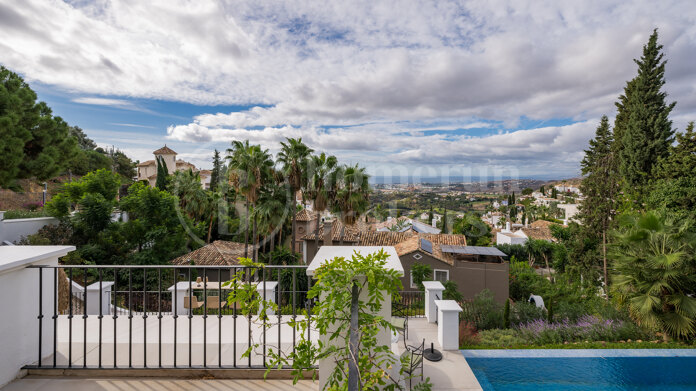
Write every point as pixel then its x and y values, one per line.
pixel 13 230
pixel 19 322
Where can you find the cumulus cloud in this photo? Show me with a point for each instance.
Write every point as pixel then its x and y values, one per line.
pixel 362 76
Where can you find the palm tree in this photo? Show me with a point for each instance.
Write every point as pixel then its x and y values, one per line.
pixel 192 197
pixel 655 272
pixel 270 211
pixel 350 194
pixel 250 167
pixel 293 157
pixel 213 201
pixel 319 171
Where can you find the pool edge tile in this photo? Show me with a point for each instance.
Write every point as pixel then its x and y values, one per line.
pixel 569 353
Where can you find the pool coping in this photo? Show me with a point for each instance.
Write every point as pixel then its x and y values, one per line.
pixel 576 353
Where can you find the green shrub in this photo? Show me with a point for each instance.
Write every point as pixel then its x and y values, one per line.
pixel 499 338
pixel 484 312
pixel 523 312
pixel 451 291
pixel 572 311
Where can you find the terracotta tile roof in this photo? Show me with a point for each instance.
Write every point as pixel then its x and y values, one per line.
pixel 414 243
pixel 449 239
pixel 389 223
pixel 305 215
pixel 147 163
pixel 540 229
pixel 219 252
pixel 383 238
pixel 184 163
pixel 164 151
pixel 541 224
pixel 351 233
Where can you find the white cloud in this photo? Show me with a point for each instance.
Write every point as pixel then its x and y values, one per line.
pixel 118 103
pixel 360 76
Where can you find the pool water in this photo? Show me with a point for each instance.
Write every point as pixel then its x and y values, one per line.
pixel 585 373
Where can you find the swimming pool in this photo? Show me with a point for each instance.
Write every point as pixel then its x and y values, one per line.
pixel 584 370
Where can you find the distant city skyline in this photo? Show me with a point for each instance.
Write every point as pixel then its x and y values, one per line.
pixel 484 89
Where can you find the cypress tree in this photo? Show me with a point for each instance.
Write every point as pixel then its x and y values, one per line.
pixel 445 230
pixel 643 123
pixel 162 173
pixel 431 216
pixel 599 188
pixel 675 189
pixel 217 169
pixel 506 315
pixel 513 198
pixel 681 161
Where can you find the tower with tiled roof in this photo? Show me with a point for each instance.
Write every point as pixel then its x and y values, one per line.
pixel 169 157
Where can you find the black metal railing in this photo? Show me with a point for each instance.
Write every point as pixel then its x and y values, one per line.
pixel 160 316
pixel 410 303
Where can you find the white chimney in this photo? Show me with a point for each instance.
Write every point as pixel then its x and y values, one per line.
pixel 507 226
pixel 434 223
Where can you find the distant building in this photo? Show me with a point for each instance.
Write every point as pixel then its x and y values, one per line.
pixel 147 170
pixel 406 224
pixel 568 189
pixel 538 230
pixel 571 210
pixel 217 253
pixel 472 268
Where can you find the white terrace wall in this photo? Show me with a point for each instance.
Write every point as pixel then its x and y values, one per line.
pixel 19 289
pixel 13 230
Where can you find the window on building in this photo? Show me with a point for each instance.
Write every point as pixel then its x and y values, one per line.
pixel 417 256
pixel 441 275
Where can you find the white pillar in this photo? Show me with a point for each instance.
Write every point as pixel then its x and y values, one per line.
pixel 448 324
pixel 93 298
pixel 20 287
pixel 178 298
pixel 433 291
pixel 270 287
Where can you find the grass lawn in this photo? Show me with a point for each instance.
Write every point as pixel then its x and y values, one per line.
pixel 24 214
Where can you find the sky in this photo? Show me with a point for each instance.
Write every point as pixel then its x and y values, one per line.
pixel 460 88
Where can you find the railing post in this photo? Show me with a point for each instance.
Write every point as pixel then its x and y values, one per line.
pixel 433 291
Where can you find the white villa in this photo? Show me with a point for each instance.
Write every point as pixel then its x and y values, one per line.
pixel 147 170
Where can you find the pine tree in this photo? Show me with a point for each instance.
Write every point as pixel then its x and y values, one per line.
pixel 162 173
pixel 34 143
pixel 217 169
pixel 643 123
pixel 600 189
